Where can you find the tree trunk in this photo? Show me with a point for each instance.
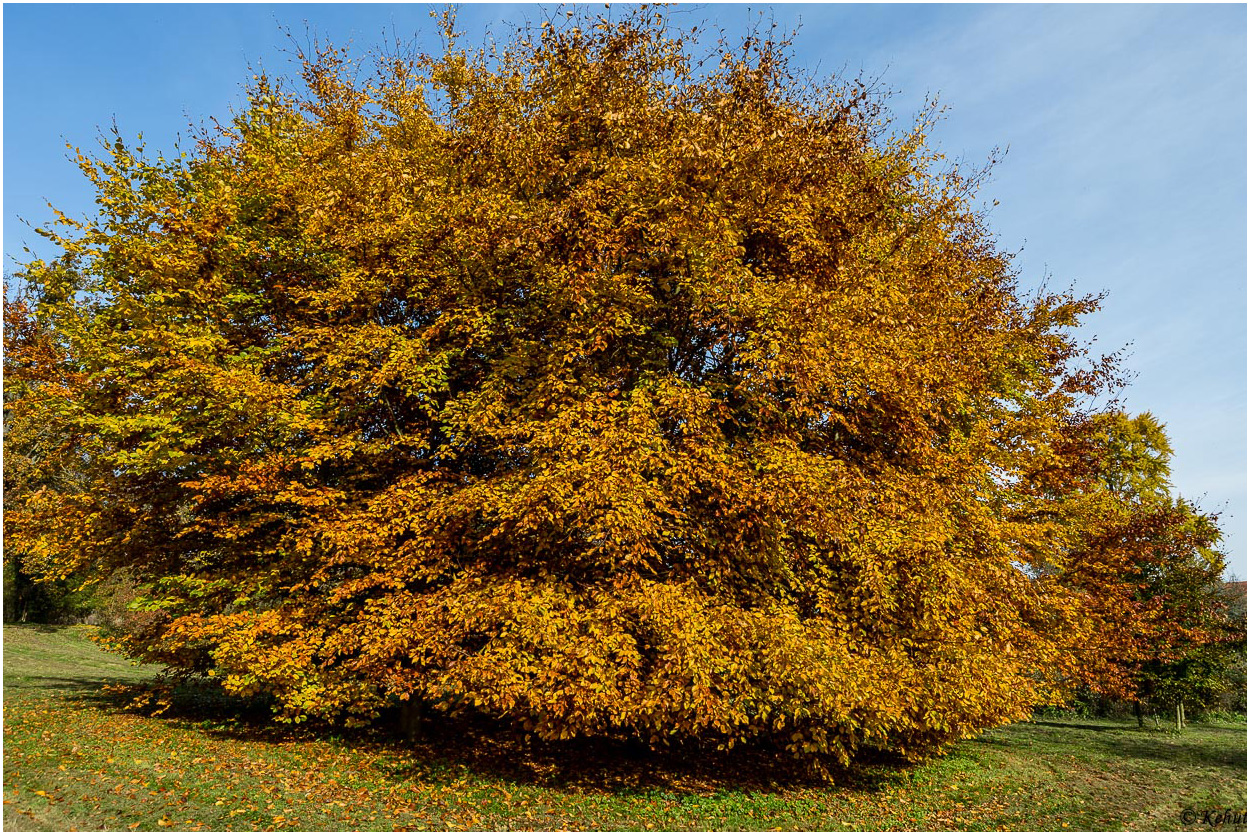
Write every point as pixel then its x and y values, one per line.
pixel 1141 720
pixel 410 719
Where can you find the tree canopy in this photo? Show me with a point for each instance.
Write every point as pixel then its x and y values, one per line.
pixel 1168 633
pixel 578 383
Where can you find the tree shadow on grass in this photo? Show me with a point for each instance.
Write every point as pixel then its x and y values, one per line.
pixel 1127 741
pixel 44 628
pixel 1174 750
pixel 192 704
pixel 628 766
pixel 448 747
pixel 1074 726
pixel 82 684
pixel 1223 729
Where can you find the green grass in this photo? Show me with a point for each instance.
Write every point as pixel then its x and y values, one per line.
pixel 77 757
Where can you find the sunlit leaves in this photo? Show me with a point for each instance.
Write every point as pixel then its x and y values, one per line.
pixel 576 384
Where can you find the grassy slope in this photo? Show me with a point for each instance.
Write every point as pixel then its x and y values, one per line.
pixel 76 758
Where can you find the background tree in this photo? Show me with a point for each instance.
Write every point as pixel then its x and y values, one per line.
pixel 35 458
pixel 1151 564
pixel 1232 670
pixel 578 385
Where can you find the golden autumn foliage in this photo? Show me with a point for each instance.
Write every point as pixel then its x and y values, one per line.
pixel 578 384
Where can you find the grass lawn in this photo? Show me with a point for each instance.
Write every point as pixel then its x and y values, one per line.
pixel 76 757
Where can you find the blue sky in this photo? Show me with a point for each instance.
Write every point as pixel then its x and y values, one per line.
pixel 1125 124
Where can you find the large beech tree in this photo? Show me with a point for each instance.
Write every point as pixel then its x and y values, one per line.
pixel 578 384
